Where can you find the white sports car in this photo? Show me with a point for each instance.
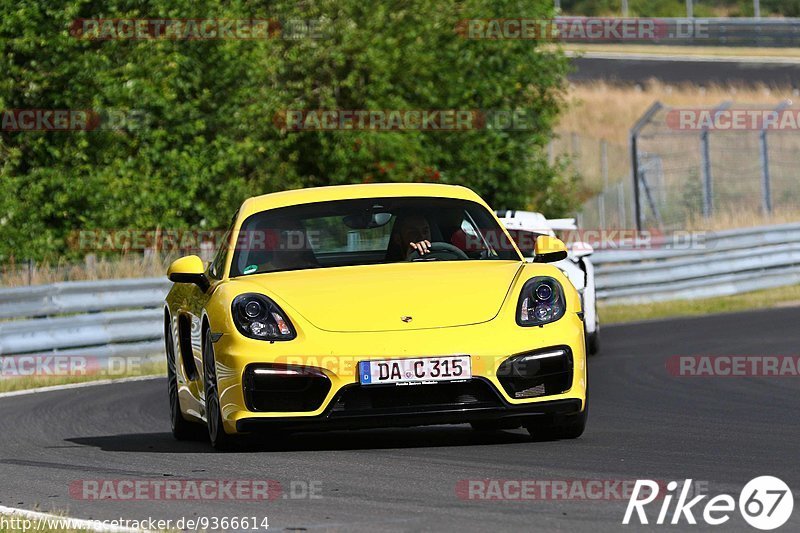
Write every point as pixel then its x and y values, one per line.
pixel 524 226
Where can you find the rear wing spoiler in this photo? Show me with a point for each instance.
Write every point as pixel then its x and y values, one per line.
pixel 562 224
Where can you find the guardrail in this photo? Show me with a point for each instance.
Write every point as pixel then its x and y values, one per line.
pixel 72 297
pixel 773 32
pixel 124 317
pixel 719 264
pixel 89 318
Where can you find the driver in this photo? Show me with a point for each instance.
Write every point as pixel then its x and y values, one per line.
pixel 411 233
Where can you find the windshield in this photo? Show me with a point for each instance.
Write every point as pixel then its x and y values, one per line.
pixel 368 231
pixel 526 240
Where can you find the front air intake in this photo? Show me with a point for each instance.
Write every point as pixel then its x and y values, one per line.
pixel 538 373
pixel 281 388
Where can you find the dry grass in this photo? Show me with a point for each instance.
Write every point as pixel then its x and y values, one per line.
pixel 782 297
pixel 601 110
pixel 660 49
pixel 585 156
pixel 604 111
pixel 154 365
pixel 127 266
pixel 743 219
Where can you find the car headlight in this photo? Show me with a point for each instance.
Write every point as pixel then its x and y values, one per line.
pixel 541 302
pixel 258 317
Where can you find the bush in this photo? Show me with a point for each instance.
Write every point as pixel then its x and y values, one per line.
pixel 208 139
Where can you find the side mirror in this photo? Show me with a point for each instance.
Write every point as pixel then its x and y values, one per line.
pixel 189 269
pixel 581 249
pixel 549 249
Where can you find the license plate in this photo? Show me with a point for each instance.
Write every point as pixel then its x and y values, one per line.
pixel 414 370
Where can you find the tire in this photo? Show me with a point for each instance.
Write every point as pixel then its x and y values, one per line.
pixel 485 426
pixel 220 440
pixel 182 429
pixel 570 427
pixel 593 342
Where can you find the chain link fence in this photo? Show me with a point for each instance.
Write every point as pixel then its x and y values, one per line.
pixel 603 166
pixel 612 208
pixel 732 163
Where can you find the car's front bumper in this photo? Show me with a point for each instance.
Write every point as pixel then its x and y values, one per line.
pixel 504 414
pixel 337 356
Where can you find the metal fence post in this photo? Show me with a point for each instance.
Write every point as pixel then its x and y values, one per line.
pixel 705 170
pixel 766 186
pixel 634 142
pixel 637 204
pixel 705 165
pixel 766 194
pixel 604 162
pixel 601 208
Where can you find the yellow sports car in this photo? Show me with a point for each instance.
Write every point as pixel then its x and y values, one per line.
pixel 378 305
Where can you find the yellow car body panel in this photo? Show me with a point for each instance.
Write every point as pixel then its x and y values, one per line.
pixel 334 333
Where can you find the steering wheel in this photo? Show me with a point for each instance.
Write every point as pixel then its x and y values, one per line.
pixel 438 251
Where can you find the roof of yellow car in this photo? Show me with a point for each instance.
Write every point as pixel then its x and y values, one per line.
pixel 345 192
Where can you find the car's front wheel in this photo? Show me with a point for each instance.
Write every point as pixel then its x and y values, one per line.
pixel 485 426
pixel 568 427
pixel 182 429
pixel 220 440
pixel 593 341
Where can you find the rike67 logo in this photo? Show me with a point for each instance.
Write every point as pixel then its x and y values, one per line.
pixel 765 503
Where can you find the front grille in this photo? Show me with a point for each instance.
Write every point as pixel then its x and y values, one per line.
pixel 538 373
pixel 383 399
pixel 276 388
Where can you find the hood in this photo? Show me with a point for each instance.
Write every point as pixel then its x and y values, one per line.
pixel 376 297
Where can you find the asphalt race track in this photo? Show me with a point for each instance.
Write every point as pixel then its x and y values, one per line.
pixel 644 423
pixel 632 70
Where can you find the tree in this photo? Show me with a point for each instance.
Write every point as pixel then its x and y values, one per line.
pixel 208 139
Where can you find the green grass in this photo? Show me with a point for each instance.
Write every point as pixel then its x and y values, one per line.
pixel 781 297
pixel 150 367
pixel 661 49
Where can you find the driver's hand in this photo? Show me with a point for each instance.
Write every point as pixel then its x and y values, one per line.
pixel 422 247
